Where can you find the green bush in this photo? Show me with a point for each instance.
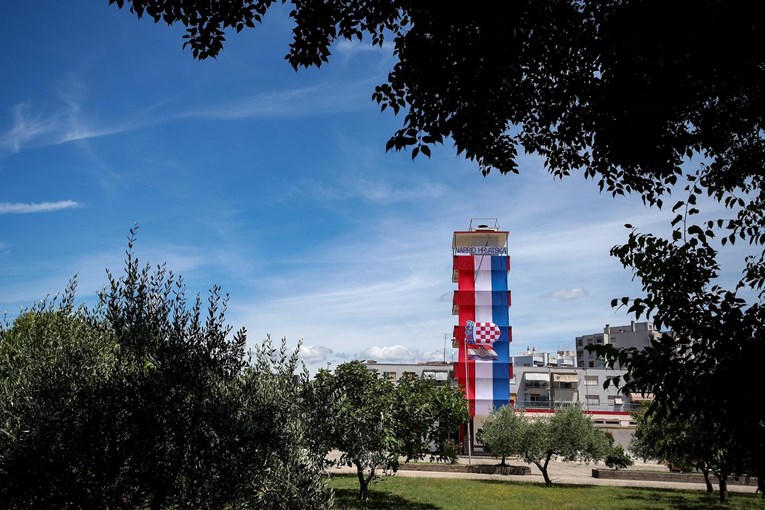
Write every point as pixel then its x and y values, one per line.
pixel 618 458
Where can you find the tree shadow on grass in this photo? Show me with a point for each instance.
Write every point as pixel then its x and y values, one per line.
pixel 657 499
pixel 672 500
pixel 345 499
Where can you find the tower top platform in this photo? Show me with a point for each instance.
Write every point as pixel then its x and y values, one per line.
pixel 482 238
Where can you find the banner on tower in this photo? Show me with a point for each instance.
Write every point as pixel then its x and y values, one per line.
pixel 483 333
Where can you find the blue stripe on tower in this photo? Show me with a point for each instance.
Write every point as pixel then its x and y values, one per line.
pixel 500 317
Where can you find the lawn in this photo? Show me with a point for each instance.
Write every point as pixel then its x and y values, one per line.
pixel 442 493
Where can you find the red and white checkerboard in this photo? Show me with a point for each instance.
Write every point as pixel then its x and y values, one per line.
pixel 486 333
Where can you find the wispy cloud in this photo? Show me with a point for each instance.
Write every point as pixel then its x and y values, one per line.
pixel 378 191
pixel 26 127
pixel 65 126
pixel 321 99
pixel 567 294
pixel 351 47
pixel 71 122
pixel 38 207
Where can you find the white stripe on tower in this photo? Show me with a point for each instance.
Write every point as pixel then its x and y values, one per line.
pixel 484 384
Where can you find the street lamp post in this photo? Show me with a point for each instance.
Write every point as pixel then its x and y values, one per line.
pixel 470 418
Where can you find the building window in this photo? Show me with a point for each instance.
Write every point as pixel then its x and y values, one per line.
pixel 438 375
pixel 593 399
pixel 590 380
pixel 390 375
pixel 592 364
pixel 578 342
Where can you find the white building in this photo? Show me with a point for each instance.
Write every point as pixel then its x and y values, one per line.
pixel 441 372
pixel 542 390
pixel 533 358
pixel 637 334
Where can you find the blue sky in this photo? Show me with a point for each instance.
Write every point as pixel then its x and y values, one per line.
pixel 275 185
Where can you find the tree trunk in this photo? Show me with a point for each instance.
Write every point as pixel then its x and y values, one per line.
pixel 724 499
pixel 363 482
pixel 705 470
pixel 503 462
pixel 543 469
pixel 544 472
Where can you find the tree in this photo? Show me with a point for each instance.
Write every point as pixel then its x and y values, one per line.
pixel 569 434
pixel 148 402
pixel 426 416
pixel 617 458
pixel 374 422
pixel 643 97
pixel 682 443
pixel 503 432
pixel 55 381
pixel 363 427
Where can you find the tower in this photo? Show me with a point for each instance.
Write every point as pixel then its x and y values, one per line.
pixel 481 302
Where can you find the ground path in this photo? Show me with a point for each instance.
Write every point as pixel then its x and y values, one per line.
pixel 570 473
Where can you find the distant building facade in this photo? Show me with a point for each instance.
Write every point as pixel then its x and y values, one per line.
pixel 442 373
pixel 534 358
pixel 637 334
pixel 540 390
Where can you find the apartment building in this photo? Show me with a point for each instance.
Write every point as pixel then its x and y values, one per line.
pixel 539 390
pixel 533 358
pixel 442 373
pixel 637 334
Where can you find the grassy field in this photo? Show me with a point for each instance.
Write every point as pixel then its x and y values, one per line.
pixel 434 493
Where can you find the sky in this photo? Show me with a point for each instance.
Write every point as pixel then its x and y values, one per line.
pixel 275 185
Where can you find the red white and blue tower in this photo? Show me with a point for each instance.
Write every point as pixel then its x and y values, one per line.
pixel 482 303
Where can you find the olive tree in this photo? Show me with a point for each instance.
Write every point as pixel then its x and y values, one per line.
pixel 503 432
pixel 363 427
pixel 374 422
pixel 427 415
pixel 568 434
pixel 148 401
pixel 685 444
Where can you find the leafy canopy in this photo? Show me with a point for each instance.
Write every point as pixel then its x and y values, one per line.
pixel 374 422
pixel 503 432
pixel 568 434
pixel 643 96
pixel 147 401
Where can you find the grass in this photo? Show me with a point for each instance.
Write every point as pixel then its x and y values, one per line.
pixel 450 493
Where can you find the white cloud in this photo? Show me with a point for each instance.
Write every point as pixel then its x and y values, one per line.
pixel 25 208
pixel 321 99
pixel 567 294
pixel 65 126
pixel 436 355
pixel 314 353
pixel 354 46
pixel 26 127
pixel 390 354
